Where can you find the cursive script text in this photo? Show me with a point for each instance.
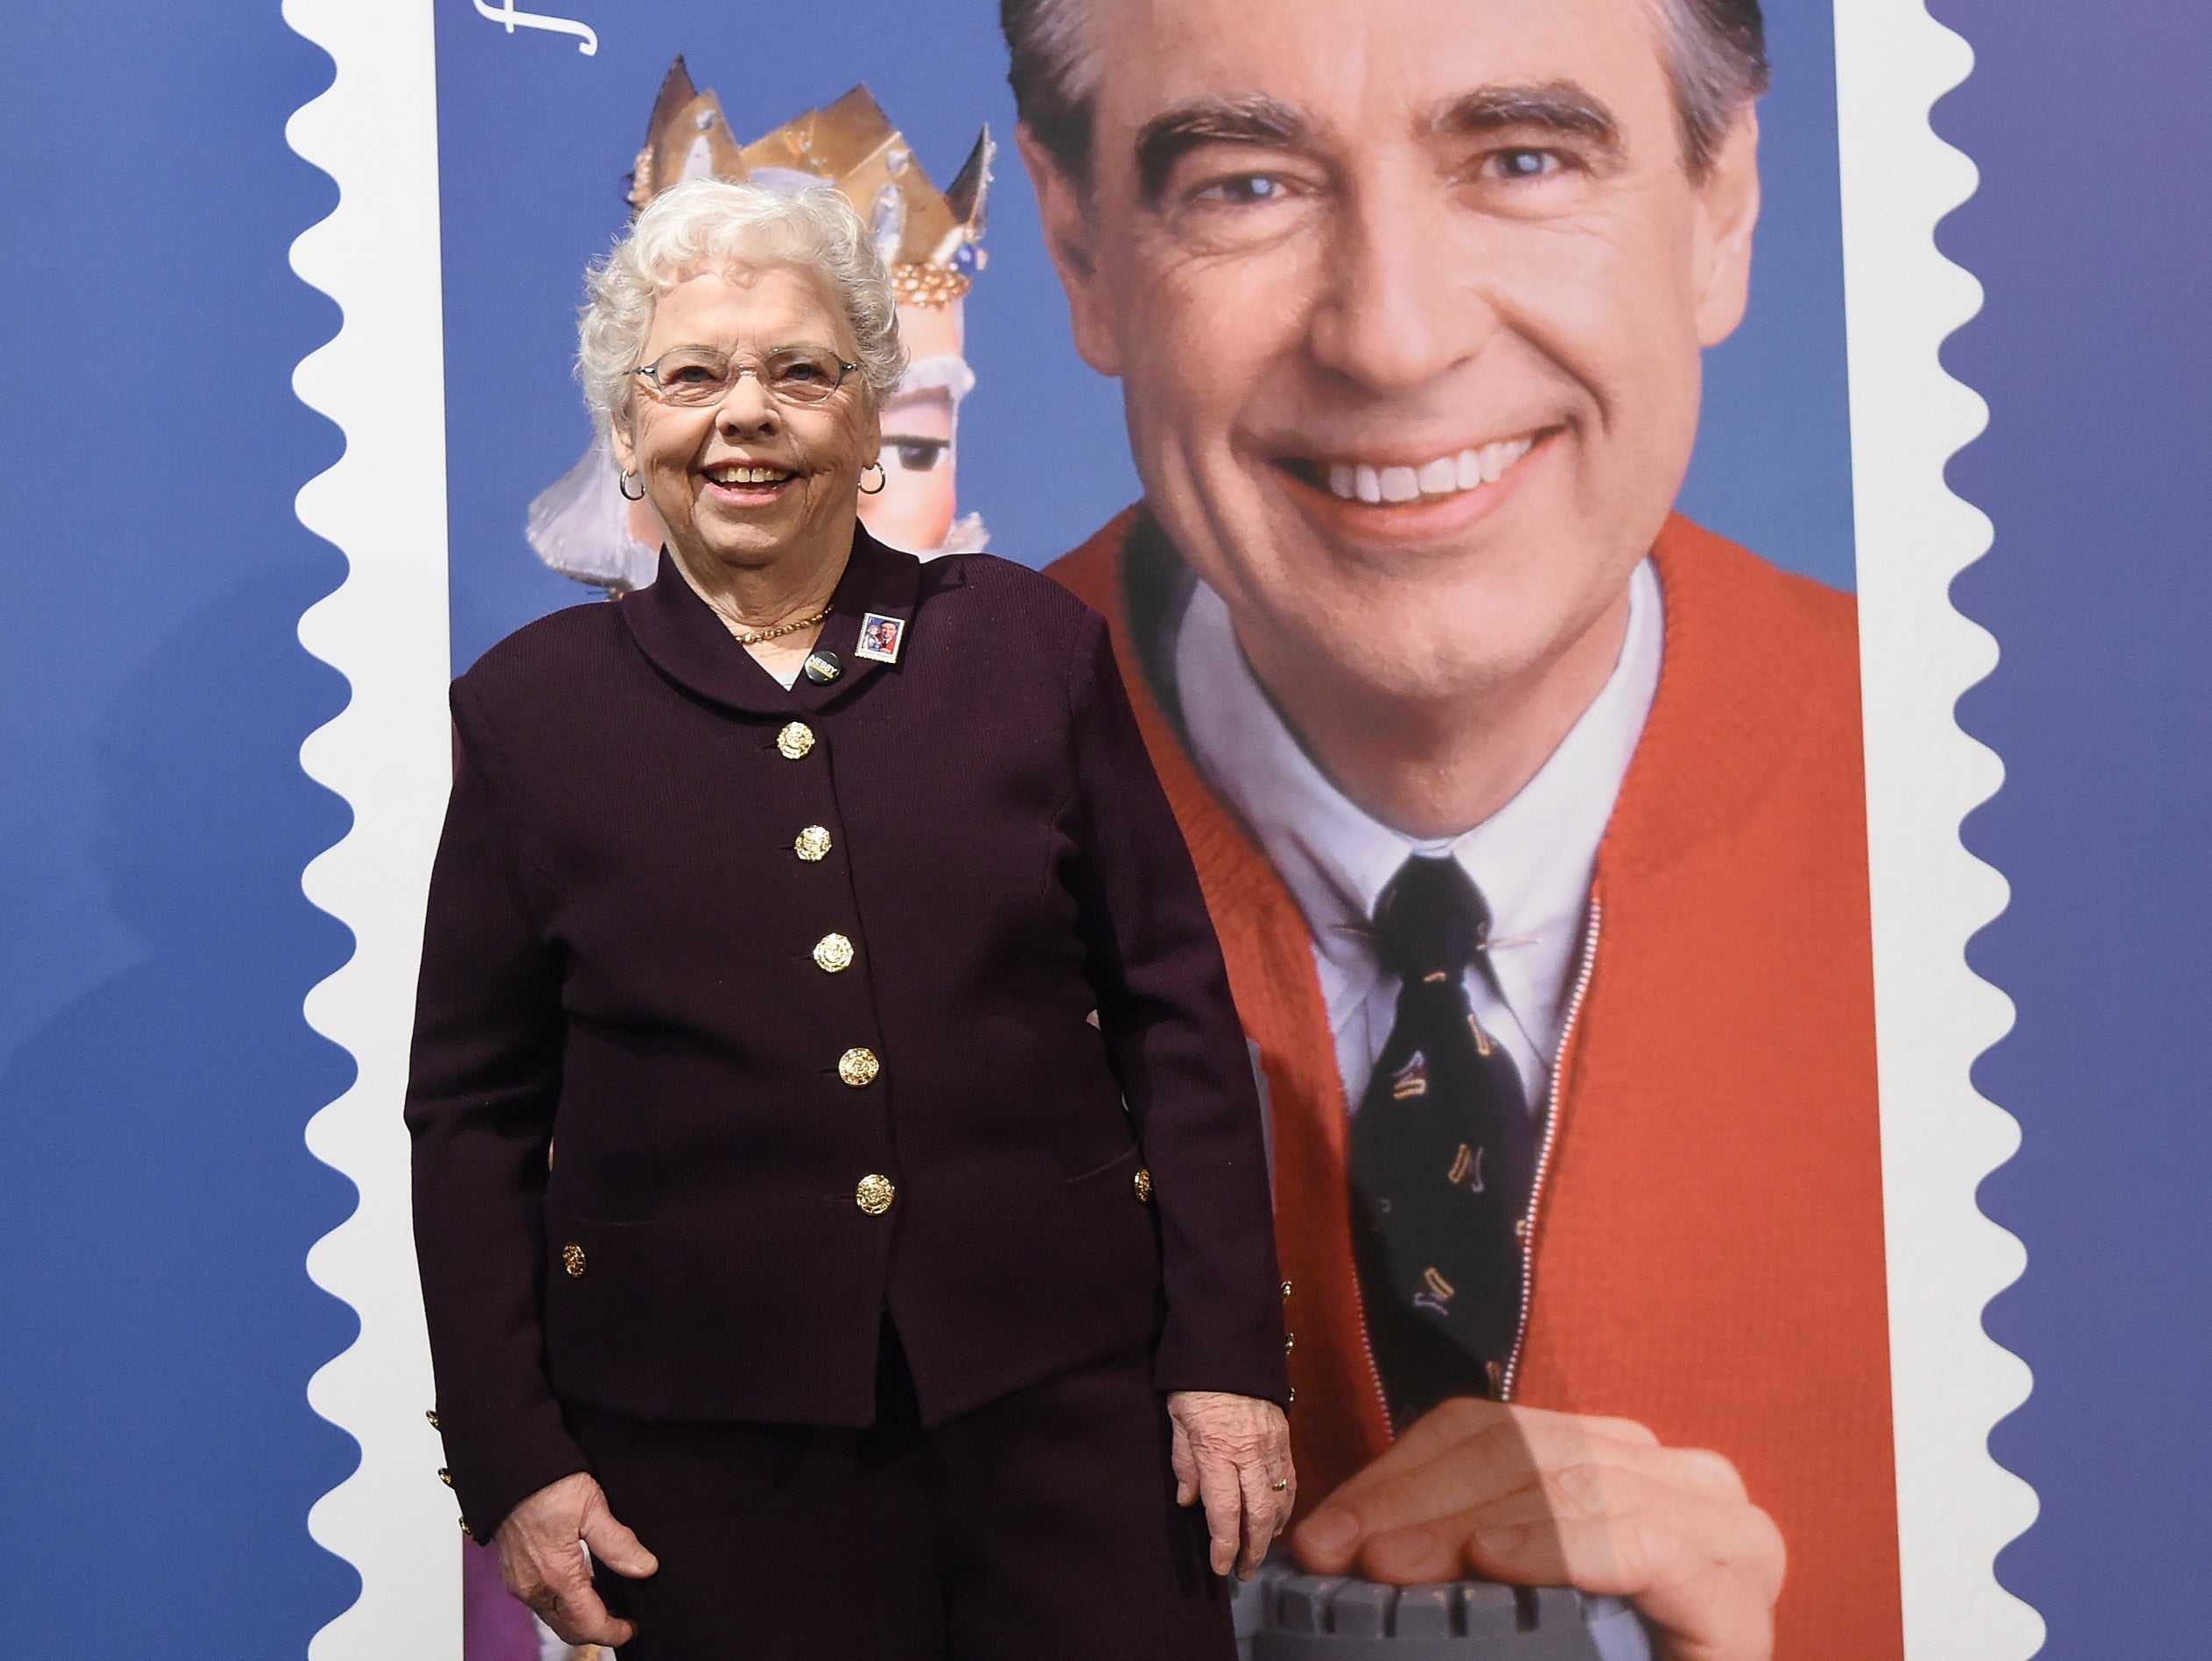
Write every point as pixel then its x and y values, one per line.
pixel 587 39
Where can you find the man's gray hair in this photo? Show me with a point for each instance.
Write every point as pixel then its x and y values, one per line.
pixel 1716 53
pixel 712 224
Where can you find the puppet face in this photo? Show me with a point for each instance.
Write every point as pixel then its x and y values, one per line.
pixel 916 508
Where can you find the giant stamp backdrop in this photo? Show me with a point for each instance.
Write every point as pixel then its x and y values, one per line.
pixel 1734 1007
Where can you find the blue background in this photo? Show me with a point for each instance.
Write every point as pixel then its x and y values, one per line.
pixel 535 141
pixel 2091 234
pixel 157 1326
pixel 157 1456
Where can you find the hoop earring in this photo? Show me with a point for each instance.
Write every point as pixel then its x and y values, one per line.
pixel 883 480
pixel 624 483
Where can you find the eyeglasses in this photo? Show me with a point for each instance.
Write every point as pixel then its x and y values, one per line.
pixel 790 374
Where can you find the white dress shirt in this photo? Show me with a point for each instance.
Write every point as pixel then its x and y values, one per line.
pixel 1531 860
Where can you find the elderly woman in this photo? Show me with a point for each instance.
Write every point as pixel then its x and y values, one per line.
pixel 840 1190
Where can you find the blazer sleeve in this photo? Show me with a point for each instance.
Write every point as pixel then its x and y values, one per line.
pixel 1177 1051
pixel 481 1091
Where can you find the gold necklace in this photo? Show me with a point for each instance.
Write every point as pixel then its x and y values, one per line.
pixel 756 635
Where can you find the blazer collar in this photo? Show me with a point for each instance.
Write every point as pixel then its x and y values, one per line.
pixel 686 639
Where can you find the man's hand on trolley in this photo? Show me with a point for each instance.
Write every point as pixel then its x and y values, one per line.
pixel 1537 1498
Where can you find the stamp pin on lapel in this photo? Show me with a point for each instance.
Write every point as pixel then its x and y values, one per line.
pixel 880 638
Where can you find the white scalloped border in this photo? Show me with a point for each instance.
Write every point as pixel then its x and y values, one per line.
pixel 380 380
pixel 1957 1506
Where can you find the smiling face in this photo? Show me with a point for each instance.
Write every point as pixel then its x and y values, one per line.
pixel 749 480
pixel 1407 297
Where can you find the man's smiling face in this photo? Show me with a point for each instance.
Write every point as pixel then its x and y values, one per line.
pixel 1407 298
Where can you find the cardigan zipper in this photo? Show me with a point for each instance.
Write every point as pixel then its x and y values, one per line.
pixel 1583 973
pixel 1374 1372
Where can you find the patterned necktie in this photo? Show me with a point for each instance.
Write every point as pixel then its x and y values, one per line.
pixel 1442 1156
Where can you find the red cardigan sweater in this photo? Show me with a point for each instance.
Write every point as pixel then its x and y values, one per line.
pixel 1708 1249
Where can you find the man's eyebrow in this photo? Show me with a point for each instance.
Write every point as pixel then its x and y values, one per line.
pixel 1167 139
pixel 1556 106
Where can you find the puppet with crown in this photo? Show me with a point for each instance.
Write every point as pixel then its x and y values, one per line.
pixel 581 525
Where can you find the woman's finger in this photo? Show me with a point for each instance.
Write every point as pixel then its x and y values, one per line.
pixel 1222 1490
pixel 1280 1475
pixel 1254 1481
pixel 1286 1471
pixel 613 1544
pixel 580 1617
pixel 1286 1496
pixel 1186 1468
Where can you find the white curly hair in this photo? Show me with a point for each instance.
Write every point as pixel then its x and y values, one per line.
pixel 707 224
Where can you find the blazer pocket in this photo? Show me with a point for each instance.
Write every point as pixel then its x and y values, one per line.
pixel 1112 1239
pixel 1130 1158
pixel 601 1311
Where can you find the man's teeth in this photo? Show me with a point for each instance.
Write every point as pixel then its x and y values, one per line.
pixel 1447 475
pixel 746 475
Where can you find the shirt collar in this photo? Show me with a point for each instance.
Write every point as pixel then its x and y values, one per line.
pixel 1532 859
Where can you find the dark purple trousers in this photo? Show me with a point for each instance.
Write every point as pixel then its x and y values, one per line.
pixel 1044 1524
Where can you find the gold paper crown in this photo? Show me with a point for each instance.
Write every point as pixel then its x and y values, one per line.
pixel 929 239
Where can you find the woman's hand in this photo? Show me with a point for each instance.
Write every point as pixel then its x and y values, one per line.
pixel 1233 1452
pixel 541 1557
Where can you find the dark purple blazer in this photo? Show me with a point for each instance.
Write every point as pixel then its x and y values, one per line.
pixel 637 1166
